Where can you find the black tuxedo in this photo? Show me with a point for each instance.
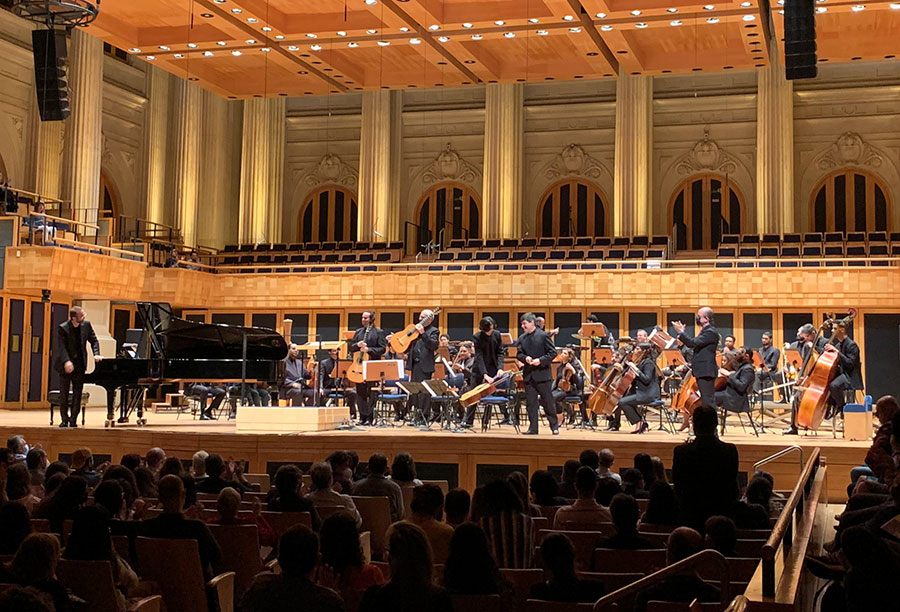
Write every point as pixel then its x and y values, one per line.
pixel 704 472
pixel 420 363
pixel 538 379
pixel 849 375
pixel 71 345
pixel 488 355
pixel 703 362
pixel 377 345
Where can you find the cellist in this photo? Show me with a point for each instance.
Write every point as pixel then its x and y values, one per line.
pixel 738 382
pixel 806 335
pixel 644 389
pixel 849 376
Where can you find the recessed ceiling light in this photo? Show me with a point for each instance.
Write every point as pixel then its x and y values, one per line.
pixel 163 48
pixel 178 55
pixel 709 7
pixel 467 25
pixel 371 2
pixel 542 32
pixel 341 33
pixel 279 37
pixel 477 36
pixel 265 49
pixel 415 41
pixel 640 25
pixel 443 38
pixel 748 17
pixel 575 30
pixel 821 9
pixel 266 29
pixel 353 45
pixel 371 31
pixel 534 20
pixel 250 41
pixel 316 47
pixel 895 6
pixel 677 22
pixel 858 8
pixel 219 1
pixel 600 15
pixel 672 10
pixel 237 11
pixel 746 4
pixel 293 48
pixel 636 12
pixel 568 18
pixel 510 34
pixel 151 57
pixel 236 53
pixel 252 20
pixel 606 28
pixel 311 35
pixel 434 27
pixel 192 45
pixel 499 22
pixel 384 43
pixel 134 50
pixel 206 15
pixel 207 53
pixel 712 20
pixel 221 43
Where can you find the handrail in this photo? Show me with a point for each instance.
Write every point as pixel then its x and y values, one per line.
pixel 781 453
pixel 100 247
pixel 32 194
pixel 691 562
pixel 63 220
pixel 783 529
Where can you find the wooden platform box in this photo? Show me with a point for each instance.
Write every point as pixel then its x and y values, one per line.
pixel 290 418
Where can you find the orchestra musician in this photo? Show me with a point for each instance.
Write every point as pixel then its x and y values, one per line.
pixel 703 361
pixel 445 344
pixel 370 340
pixel 738 384
pixel 644 389
pixel 420 360
pixel 334 384
pixel 568 383
pixel 202 391
pixel 463 363
pixel 487 363
pixel 542 324
pixel 769 372
pixel 728 345
pixel 535 352
pixel 849 375
pixel 295 385
pixel 806 335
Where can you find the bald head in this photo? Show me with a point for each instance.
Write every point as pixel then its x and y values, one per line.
pixel 683 542
pixel 705 315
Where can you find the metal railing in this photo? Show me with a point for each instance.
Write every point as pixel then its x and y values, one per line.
pixel 779 454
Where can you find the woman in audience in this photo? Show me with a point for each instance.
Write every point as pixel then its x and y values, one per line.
pixel 403 470
pixel 544 488
pixel 57 467
pixel 146 482
pixel 625 513
pixel 342 567
pixel 15 527
pixel 567 486
pixel 285 497
pixel 644 464
pixel 457 505
pixel 90 541
pixel 607 488
pixel 172 465
pixel 65 502
pixel 562 583
pixel 519 483
pixel 18 487
pixel 342 470
pixel 662 508
pixel 35 565
pixel 659 470
pixel 227 506
pixel 411 587
pixel 759 491
pixel 633 483
pixel 470 568
pixel 510 533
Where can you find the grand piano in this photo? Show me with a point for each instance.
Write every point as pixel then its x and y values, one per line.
pixel 172 349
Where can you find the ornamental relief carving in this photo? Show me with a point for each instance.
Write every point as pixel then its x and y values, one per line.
pixel 573 161
pixel 331 169
pixel 849 150
pixel 706 156
pixel 449 166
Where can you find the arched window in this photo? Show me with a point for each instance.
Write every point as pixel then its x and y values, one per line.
pixel 449 206
pixel 850 201
pixel 329 215
pixel 572 208
pixel 703 208
pixel 109 198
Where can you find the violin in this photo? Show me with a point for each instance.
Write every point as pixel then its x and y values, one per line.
pixel 819 371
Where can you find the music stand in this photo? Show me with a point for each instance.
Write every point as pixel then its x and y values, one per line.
pixel 602 355
pixel 445 396
pixel 380 370
pixel 416 387
pixel 593 330
pixel 673 358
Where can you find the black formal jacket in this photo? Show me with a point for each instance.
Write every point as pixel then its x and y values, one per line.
pixel 704 472
pixel 703 362
pixel 539 345
pixel 376 342
pixel 421 351
pixel 849 361
pixel 770 357
pixel 327 366
pixel 488 355
pixel 67 345
pixel 646 384
pixel 737 387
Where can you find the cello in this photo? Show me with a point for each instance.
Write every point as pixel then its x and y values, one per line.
pixel 619 386
pixel 817 374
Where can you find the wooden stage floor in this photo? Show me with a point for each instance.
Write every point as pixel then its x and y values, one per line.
pixel 478 456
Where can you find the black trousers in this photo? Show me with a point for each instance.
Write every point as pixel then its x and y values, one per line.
pixel 628 405
pixel 300 397
pixel 75 381
pixel 540 392
pixel 365 400
pixel 202 392
pixel 707 387
pixel 836 389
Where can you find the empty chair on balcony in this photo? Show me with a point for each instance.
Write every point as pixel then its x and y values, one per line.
pixel 792 238
pixel 262 247
pixel 656 253
pixel 230 248
pixel 546 243
pixel 344 246
pixel 500 255
pixel 474 243
pixel 748 251
pixel 726 252
pixel 263 259
pixel 464 256
pixel 556 254
pixel 348 258
pixel 750 239
pixel 330 258
pixel 245 248
pixel 492 243
pixel 596 254
pixel 537 255
pixel 602 241
pixel 528 243
pixel 659 240
pixel 457 244
pixel 635 254
pixel 621 241
pixel 583 241
pixel 482 255
pixel 575 254
pixel 382 257
pixel 640 240
pixel 770 239
pixel 837 237
pixel 812 237
pixel 730 239
pixel 365 257
pixel 445 256
pixel 565 242
pixel 314 258
pixel 837 250
pixel 852 250
pixel 854 237
pixel 510 243
pixel 792 250
pixel 615 253
pixel 769 250
pixel 519 256
pixel 811 250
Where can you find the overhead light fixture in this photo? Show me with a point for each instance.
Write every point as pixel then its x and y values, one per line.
pixel 265 49
pixel 542 32
pixel 266 29
pixel 353 45
pixel 510 35
pixel 206 15
pixel 178 55
pixel 237 11
pixel 150 57
pixel 443 38
pixel 250 41
pixel 748 17
pixel 858 8
pixel 384 43
pixel 311 35
pixel 746 4
pixel 434 27
pixel 293 48
pixel 415 41
pixel 163 48
pixel 236 53
pixel 134 50
pixel 221 43
pixel 709 7
pixel 575 30
pixel 316 47
pixel 568 18
pixel 341 33
pixel 207 54
pixel 895 6
pixel 279 37
pixel 672 10
pixel 640 26
pixel 252 20
pixel 534 20
pixel 499 22
pixel 712 20
pixel 676 23
pixel 477 36
pixel 192 45
pixel 371 2
pixel 219 1
pixel 636 12
pixel 371 31
pixel 467 25
pixel 821 9
pixel 606 28
pixel 600 15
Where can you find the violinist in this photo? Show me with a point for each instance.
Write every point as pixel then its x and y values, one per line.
pixel 806 335
pixel 849 376
pixel 370 340
pixel 331 385
pixel 739 376
pixel 645 389
pixel 487 363
pixel 769 371
pixel 568 383
pixel 703 361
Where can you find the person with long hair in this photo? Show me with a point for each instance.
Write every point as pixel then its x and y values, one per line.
pixel 65 502
pixel 342 566
pixel 403 470
pixel 411 587
pixel 662 508
pixel 35 566
pixel 562 583
pixel 470 568
pixel 509 531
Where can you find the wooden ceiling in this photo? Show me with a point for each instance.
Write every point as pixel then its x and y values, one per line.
pixel 245 48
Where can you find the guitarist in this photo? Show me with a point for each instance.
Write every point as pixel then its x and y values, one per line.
pixel 371 341
pixel 420 359
pixel 488 363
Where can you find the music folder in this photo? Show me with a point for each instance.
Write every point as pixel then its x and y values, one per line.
pixel 413 387
pixel 375 370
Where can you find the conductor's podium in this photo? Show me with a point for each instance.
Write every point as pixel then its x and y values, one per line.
pixel 290 419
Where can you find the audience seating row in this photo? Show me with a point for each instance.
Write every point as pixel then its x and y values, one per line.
pixel 812 238
pixel 554 254
pixel 281 247
pixel 561 242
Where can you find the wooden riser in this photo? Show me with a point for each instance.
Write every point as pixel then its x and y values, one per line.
pixel 290 419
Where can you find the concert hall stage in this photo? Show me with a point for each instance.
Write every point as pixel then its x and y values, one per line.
pixel 465 459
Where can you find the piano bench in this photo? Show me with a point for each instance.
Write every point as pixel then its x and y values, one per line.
pixel 54 398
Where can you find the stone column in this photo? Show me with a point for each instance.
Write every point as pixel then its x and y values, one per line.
pixel 262 169
pixel 156 130
pixel 632 197
pixel 504 122
pixel 84 136
pixel 379 166
pixel 48 158
pixel 188 124
pixel 774 150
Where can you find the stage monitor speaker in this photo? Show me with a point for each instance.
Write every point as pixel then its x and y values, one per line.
pixel 49 47
pixel 800 39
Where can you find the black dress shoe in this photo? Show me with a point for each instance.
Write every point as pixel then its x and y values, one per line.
pixel 555 432
pixel 73 423
pixel 612 428
pixel 529 433
pixel 64 424
pixel 505 422
pixel 205 417
pixel 790 431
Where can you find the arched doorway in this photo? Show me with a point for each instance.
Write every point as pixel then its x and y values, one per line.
pixel 850 201
pixel 702 209
pixel 451 207
pixel 572 208
pixel 329 215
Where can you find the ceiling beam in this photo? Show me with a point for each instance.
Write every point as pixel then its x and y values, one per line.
pixel 588 24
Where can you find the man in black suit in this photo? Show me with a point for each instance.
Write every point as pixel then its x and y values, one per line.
pixel 704 472
pixel 703 361
pixel 371 340
pixel 737 384
pixel 72 338
pixel 535 352
pixel 420 360
pixel 849 377
pixel 769 372
pixel 806 336
pixel 488 362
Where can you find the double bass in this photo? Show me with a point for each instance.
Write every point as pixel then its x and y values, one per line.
pixel 817 374
pixel 687 398
pixel 616 383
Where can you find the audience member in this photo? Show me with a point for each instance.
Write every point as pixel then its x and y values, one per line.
pixel 35 566
pixel 880 456
pixel 721 535
pixel 16 526
pixel 509 531
pixel 218 477
pixel 342 566
pixel 457 506
pixel 606 459
pixel 83 465
pixel 293 588
pixel 544 488
pixel 18 487
pixel 519 483
pixel 57 467
pixel 173 524
pixel 18 448
pixel 633 483
pixel 644 464
pixel 198 466
pixel 323 495
pixel 590 458
pixel 625 514
pixel 132 461
pixel 470 569
pixel 427 508
pixel 411 587
pixel 154 460
pixel 25 599
pixel 759 491
pixel 341 471
pixel 403 470
pixel 585 510
pixel 37 462
pixel 51 486
pixel 704 471
pixel 64 503
pixel 227 505
pixel 562 583
pixel 376 484
pixel 659 470
pixel 285 496
pixel 607 488
pixel 146 482
pixel 172 465
pixel 567 486
pixel 109 496
pixel 662 508
pixel 683 542
pixel 750 516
